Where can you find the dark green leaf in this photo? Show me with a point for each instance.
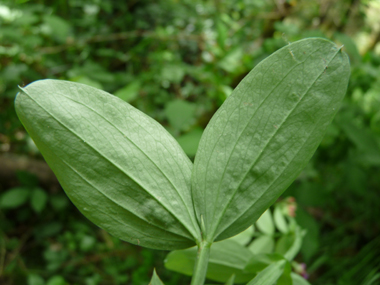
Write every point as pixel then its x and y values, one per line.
pixel 59 202
pixel 56 280
pixel 285 278
pixel 119 167
pixel 264 134
pixel 34 279
pixel 14 198
pixel 38 199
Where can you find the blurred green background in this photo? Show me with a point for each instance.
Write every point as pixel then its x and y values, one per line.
pixel 177 61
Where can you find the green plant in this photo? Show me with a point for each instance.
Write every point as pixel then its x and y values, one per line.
pixel 130 177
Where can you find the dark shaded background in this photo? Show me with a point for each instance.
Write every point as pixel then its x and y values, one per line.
pixel 177 61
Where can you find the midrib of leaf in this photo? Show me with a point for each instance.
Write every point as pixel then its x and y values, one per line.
pixel 261 152
pixel 112 162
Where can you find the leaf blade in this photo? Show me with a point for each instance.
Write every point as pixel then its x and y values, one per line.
pixel 121 168
pixel 258 142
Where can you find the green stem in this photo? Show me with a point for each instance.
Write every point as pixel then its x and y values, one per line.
pixel 201 264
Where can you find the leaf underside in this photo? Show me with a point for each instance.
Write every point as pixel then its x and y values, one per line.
pixel 121 168
pixel 265 133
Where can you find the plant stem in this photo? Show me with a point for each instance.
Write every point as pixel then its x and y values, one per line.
pixel 201 264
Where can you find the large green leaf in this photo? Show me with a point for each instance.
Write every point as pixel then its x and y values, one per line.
pixel 119 167
pixel 226 258
pixel 264 134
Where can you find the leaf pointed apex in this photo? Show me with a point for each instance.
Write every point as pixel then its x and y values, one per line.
pixel 155 279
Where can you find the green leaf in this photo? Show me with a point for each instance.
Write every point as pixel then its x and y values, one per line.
pixel 121 168
pixel 270 274
pixel 265 132
pixel 285 278
pixel 298 280
pixel 244 237
pixel 87 243
pixel 310 243
pixel 226 258
pixel 279 220
pixel 38 200
pixel 57 27
pixel 293 250
pixel 284 243
pixel 56 280
pixel 190 141
pixel 260 261
pixel 231 280
pixel 34 279
pixel 155 279
pixel 14 198
pixel 59 202
pixel 129 92
pixel 363 138
pixel 262 244
pixel 265 223
pixel 180 113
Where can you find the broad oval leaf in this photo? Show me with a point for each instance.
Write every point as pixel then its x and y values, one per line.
pixel 265 133
pixel 119 167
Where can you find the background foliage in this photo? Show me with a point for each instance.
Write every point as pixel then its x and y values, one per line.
pixel 177 61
